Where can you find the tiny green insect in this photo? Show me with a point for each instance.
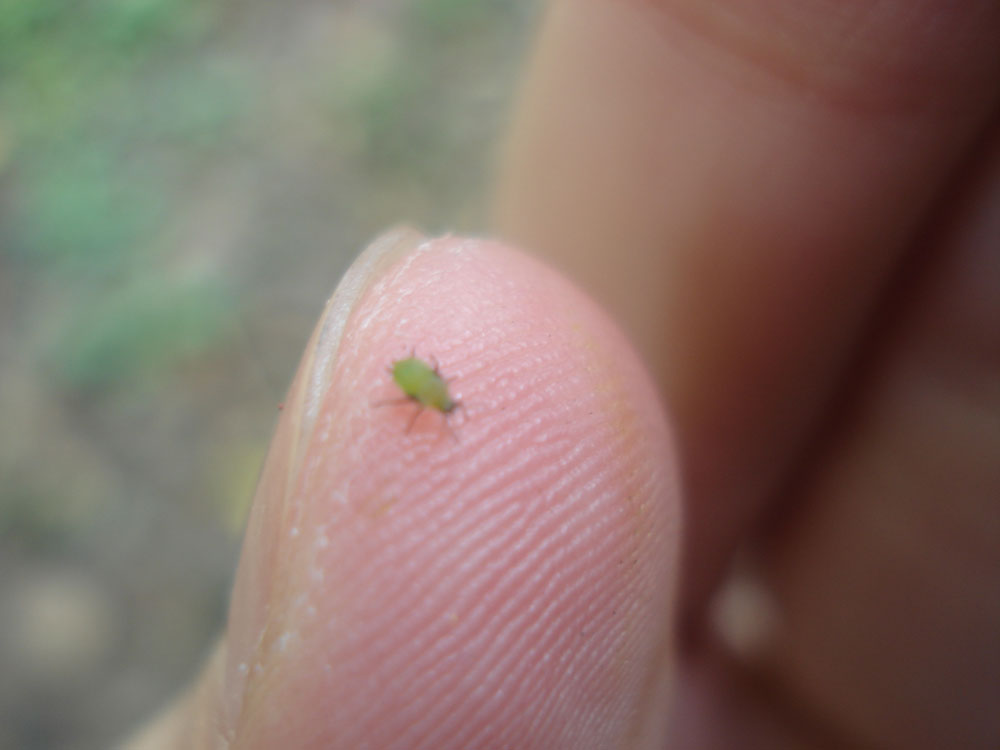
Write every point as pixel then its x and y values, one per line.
pixel 423 385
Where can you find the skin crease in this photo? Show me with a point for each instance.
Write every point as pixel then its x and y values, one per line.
pixel 792 208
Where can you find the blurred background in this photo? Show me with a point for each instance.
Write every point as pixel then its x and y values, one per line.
pixel 182 183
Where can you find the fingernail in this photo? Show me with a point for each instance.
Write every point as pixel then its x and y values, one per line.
pixel 322 351
pixel 252 607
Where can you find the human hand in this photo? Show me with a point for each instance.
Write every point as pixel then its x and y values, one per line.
pixel 795 210
pixel 748 209
pixel 397 588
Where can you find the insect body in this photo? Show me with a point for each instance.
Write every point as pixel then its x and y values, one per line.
pixel 423 385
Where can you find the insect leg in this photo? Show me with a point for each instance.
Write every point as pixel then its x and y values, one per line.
pixel 450 430
pixel 413 419
pixel 391 401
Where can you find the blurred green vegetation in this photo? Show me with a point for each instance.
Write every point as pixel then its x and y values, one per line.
pixel 101 104
pixel 457 19
pixel 139 330
pixel 398 107
pixel 81 211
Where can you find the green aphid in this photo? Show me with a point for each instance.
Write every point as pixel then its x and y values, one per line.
pixel 423 385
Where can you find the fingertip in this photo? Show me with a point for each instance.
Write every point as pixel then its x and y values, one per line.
pixel 512 587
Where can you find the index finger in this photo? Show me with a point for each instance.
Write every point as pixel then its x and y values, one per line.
pixel 737 182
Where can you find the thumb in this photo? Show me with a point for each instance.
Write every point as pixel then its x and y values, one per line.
pixel 512 587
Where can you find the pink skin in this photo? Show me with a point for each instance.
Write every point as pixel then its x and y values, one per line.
pixel 512 588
